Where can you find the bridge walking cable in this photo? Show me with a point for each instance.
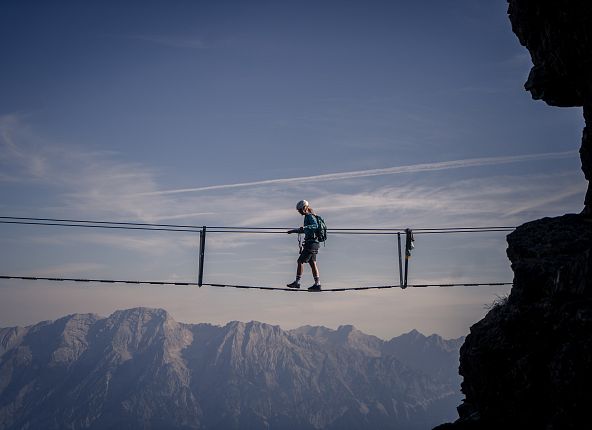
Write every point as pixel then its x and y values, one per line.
pixel 249 287
pixel 403 275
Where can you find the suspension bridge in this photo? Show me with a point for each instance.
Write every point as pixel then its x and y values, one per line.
pixel 404 238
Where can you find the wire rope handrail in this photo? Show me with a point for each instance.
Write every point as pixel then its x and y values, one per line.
pixel 235 229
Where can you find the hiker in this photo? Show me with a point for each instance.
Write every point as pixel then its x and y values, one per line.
pixel 310 248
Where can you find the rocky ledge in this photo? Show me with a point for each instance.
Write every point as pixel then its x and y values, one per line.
pixel 528 363
pixel 558 35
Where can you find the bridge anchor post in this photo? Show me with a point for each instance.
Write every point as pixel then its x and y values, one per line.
pixel 400 260
pixel 202 252
pixel 408 248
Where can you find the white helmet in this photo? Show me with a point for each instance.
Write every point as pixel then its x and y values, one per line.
pixel 301 205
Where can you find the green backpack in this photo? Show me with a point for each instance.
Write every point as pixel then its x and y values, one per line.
pixel 321 232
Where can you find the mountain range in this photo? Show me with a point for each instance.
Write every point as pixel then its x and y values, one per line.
pixel 139 368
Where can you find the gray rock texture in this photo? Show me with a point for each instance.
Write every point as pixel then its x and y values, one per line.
pixel 139 368
pixel 528 363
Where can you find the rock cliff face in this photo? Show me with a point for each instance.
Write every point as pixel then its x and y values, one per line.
pixel 139 368
pixel 558 35
pixel 528 363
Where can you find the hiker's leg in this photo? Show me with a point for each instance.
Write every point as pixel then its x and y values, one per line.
pixel 299 269
pixel 314 268
pixel 296 283
pixel 315 274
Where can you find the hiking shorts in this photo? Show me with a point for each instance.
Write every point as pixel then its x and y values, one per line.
pixel 309 253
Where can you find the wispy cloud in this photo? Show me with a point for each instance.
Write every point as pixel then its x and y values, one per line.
pixel 165 217
pixel 98 185
pixel 411 168
pixel 84 182
pixel 67 269
pixel 545 200
pixel 29 163
pixel 157 245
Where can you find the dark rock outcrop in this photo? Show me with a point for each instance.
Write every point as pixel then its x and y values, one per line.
pixel 528 363
pixel 558 35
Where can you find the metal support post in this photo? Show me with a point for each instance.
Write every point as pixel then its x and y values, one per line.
pixel 202 252
pixel 400 261
pixel 408 239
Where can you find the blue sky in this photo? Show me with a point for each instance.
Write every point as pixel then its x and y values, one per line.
pixel 380 113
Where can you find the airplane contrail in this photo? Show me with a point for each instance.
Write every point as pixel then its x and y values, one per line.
pixel 411 168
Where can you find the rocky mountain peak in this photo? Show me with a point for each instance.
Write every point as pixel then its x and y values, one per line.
pixel 318 332
pixel 138 368
pixel 345 328
pixel 140 316
pixel 345 333
pixel 413 335
pixel 73 337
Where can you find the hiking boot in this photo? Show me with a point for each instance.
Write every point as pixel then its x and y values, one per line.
pixel 294 284
pixel 315 287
